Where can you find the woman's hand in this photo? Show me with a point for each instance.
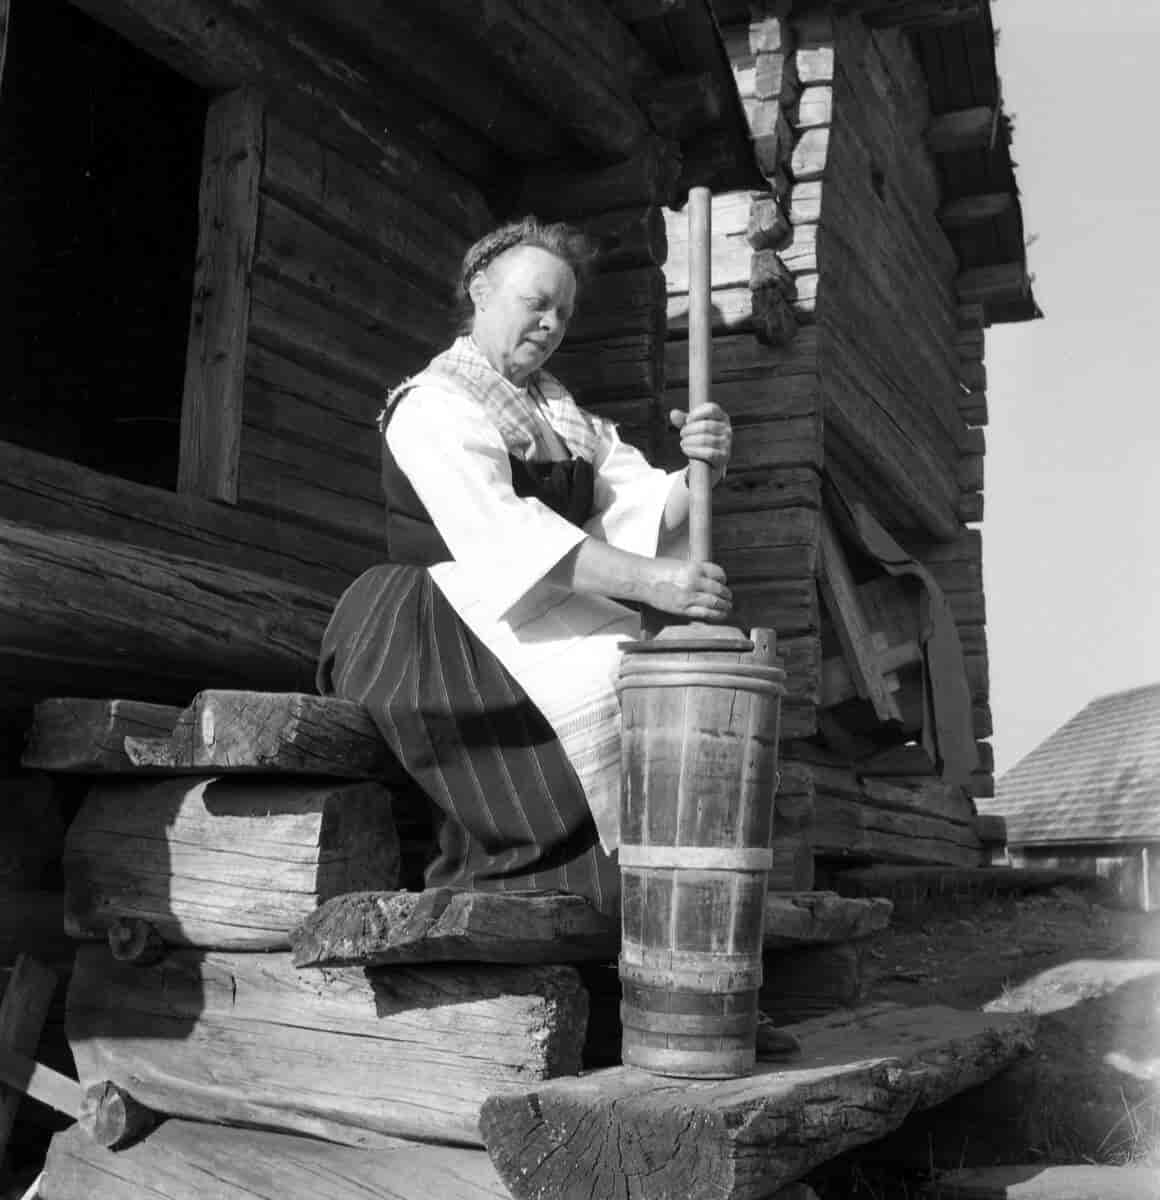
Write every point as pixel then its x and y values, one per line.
pixel 689 589
pixel 706 435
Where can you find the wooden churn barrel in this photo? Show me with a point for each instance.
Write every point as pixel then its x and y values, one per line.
pixel 698 776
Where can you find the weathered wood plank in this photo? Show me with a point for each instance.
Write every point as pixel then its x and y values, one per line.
pixel 280 733
pixel 340 195
pixel 441 925
pixel 621 303
pixel 247 1039
pixel 184 1160
pixel 647 177
pixel 351 104
pixel 23 1008
pixel 88 736
pixel 845 828
pixel 109 607
pixel 858 1077
pixel 71 499
pixel 816 918
pixel 215 863
pixel 211 406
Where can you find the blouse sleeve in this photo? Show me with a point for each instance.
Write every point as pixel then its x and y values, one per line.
pixel 458 465
pixel 630 496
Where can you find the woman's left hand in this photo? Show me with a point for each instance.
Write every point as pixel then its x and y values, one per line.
pixel 706 435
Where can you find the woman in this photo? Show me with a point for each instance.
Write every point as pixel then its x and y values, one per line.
pixel 521 529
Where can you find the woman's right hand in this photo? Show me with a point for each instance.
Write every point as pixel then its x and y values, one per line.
pixel 690 589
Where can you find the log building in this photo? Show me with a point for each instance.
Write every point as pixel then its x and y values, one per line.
pixel 243 228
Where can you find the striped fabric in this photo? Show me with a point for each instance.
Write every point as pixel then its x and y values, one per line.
pixel 516 814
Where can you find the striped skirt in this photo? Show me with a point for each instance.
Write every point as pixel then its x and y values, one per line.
pixel 515 817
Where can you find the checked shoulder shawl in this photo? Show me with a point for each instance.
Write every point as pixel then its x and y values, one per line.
pixel 524 417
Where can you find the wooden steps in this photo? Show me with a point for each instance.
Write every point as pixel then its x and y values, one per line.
pixel 860 1074
pixel 183 1160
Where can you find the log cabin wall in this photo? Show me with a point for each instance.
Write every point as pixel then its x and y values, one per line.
pixel 352 290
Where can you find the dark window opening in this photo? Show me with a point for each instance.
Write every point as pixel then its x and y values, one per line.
pixel 100 163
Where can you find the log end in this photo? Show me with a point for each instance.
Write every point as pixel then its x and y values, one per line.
pixel 112 1118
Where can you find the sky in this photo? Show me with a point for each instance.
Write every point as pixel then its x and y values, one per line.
pixel 1071 530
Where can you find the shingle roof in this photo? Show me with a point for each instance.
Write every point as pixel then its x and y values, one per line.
pixel 1096 779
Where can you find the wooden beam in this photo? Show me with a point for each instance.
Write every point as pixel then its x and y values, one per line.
pixel 23 1009
pixel 222 45
pixel 742 1139
pixel 963 129
pixel 821 918
pixel 215 360
pixel 416 1049
pixel 57 495
pixel 28 1077
pixel 647 177
pixel 968 211
pixel 220 863
pixel 87 737
pixel 840 594
pixel 578 60
pixel 269 733
pixel 379 928
pixel 987 285
pixel 168 623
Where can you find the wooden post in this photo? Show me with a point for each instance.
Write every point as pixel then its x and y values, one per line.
pixel 22 1013
pixel 215 363
pixel 700 366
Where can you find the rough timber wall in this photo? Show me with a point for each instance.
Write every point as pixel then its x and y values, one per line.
pixel 352 290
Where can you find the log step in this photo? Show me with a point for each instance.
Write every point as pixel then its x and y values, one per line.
pixel 819 918
pixel 859 1075
pixel 183 1160
pixel 352 1055
pixel 441 925
pixel 222 731
pixel 1085 1181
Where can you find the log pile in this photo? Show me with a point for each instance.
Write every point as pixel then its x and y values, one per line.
pixel 255 978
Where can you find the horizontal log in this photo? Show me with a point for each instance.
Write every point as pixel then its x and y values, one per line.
pixel 621 303
pixel 611 369
pixel 307 330
pixel 347 1054
pixel 88 736
pixel 845 828
pixel 295 250
pixel 789 605
pixel 177 1161
pixel 231 44
pixel 860 1074
pixel 270 733
pixel 740 357
pixel 815 64
pixel 977 209
pixel 214 863
pixel 628 237
pixel 961 129
pixel 360 205
pixel 70 499
pixel 106 605
pixel 438 925
pixel 648 177
pixel 432 64
pixel 822 918
pixel 813 108
pixel 112 1118
pixel 735 309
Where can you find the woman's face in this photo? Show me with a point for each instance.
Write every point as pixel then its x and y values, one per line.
pixel 523 303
